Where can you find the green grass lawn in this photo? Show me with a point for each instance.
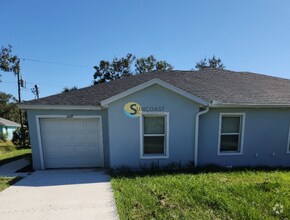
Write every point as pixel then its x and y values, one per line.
pixel 221 195
pixel 8 152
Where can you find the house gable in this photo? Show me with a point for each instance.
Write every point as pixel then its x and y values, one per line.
pixel 126 132
pixel 156 81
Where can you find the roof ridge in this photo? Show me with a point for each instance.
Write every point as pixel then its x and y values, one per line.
pixel 246 72
pixel 225 85
pixel 267 76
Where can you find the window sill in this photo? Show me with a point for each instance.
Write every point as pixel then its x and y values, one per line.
pixel 230 154
pixel 154 157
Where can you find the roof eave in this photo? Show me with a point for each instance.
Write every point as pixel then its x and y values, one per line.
pixel 247 105
pixel 57 107
pixel 10 125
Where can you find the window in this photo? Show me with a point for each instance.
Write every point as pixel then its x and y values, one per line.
pixel 231 133
pixel 154 135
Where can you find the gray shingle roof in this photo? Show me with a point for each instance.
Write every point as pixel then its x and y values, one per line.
pixel 8 123
pixel 210 84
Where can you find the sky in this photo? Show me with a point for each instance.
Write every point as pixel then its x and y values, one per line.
pixel 74 35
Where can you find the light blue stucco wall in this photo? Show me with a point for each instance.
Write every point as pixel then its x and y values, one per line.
pixel 33 130
pixel 265 132
pixel 265 138
pixel 125 131
pixel 8 130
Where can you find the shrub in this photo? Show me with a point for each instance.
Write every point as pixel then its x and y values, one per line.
pixel 16 139
pixel 3 136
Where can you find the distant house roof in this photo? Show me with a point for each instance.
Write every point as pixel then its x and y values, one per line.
pixel 216 86
pixel 8 123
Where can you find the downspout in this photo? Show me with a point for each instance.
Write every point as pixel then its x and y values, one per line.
pixel 196 134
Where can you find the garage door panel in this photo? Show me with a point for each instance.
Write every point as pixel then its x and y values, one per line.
pixel 52 150
pixel 79 138
pixel 91 125
pixel 67 150
pixel 63 124
pixel 49 125
pixel 71 142
pixel 78 124
pixel 92 149
pixel 92 138
pixel 65 138
pixel 51 139
pixel 65 163
pixel 80 149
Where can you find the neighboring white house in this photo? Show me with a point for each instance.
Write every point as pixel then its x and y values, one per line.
pixel 8 127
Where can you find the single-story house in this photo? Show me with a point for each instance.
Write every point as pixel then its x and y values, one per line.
pixel 210 116
pixel 7 127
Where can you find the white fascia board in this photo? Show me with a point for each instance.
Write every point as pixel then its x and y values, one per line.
pixel 155 81
pixel 245 105
pixel 59 107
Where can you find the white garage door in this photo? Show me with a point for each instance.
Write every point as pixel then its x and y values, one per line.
pixel 71 142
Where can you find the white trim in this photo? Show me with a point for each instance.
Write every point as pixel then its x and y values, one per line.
pixel 59 107
pixel 154 135
pixel 216 104
pixel 150 83
pixel 197 133
pixel 101 141
pixel 38 117
pixel 91 107
pixel 230 133
pixel 141 121
pixel 241 134
pixel 288 142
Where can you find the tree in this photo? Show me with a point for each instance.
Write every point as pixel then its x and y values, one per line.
pixel 10 111
pixel 8 62
pixel 67 89
pixel 214 63
pixel 144 64
pixel 8 107
pixel 118 68
pixel 11 63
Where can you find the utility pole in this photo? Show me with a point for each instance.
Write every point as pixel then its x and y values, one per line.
pixel 19 83
pixel 11 63
pixel 35 91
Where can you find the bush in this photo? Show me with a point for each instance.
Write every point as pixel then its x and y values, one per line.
pixel 3 136
pixel 6 147
pixel 16 139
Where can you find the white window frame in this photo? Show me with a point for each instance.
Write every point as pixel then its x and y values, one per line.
pixel 154 156
pixel 288 141
pixel 241 133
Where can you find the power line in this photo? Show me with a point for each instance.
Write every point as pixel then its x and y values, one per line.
pixel 44 84
pixel 7 82
pixel 56 63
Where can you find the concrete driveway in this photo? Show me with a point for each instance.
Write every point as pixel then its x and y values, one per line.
pixel 60 194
